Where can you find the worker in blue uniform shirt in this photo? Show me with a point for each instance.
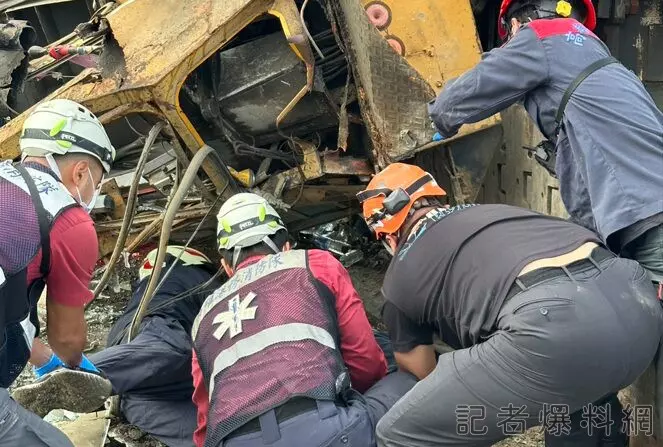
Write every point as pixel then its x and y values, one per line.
pixel 604 142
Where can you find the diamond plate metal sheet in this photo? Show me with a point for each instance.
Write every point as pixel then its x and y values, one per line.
pixel 392 94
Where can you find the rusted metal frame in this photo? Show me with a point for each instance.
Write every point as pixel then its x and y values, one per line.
pixel 220 178
pixel 332 163
pixel 110 188
pixel 311 168
pixel 168 130
pixel 288 14
pixel 98 96
pixel 465 130
pixel 169 87
pixel 167 90
pixel 126 109
pixel 149 218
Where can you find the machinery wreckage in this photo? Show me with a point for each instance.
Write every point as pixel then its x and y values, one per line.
pixel 298 101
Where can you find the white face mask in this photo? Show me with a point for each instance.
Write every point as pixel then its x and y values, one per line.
pixel 88 206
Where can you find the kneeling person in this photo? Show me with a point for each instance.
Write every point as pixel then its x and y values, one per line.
pixel 540 312
pixel 152 371
pixel 283 349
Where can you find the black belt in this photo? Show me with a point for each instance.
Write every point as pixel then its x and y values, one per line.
pixel 545 274
pixel 288 410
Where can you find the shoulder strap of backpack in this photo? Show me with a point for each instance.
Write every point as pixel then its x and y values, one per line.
pixel 44 230
pixel 574 85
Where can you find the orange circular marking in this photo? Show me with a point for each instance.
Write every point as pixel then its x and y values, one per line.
pixel 397 44
pixel 379 14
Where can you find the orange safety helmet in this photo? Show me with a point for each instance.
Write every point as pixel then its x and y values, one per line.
pixel 551 7
pixel 390 195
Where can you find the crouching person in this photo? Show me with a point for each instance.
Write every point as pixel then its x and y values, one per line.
pixel 152 371
pixel 548 324
pixel 283 350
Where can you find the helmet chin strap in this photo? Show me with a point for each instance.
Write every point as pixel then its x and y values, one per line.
pixel 387 247
pixel 266 240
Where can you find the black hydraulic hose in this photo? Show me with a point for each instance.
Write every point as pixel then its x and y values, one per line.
pixel 131 209
pixel 169 216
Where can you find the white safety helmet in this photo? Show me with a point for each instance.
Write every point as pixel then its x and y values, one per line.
pixel 62 126
pixel 245 220
pixel 187 256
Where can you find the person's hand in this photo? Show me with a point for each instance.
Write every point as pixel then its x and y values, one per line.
pixel 87 365
pixel 53 363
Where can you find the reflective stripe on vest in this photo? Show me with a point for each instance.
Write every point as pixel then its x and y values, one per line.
pixel 270 336
pixel 266 266
pixel 53 195
pixel 264 339
pixel 18 323
pixel 266 336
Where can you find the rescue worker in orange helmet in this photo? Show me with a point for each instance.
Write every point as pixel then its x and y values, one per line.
pixel 543 318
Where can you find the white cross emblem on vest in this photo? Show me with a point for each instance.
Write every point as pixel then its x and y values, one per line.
pixel 238 311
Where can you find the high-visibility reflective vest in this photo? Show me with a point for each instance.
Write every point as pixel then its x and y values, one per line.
pixel 269 334
pixel 30 201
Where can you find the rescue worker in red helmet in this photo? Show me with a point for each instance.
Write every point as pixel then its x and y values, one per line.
pixel 604 132
pixel 544 319
pixel 283 349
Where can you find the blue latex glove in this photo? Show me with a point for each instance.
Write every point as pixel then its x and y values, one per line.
pixel 87 365
pixel 53 363
pixel 438 137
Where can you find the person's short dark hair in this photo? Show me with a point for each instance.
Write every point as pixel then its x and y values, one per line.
pixel 527 13
pixel 75 157
pixel 279 239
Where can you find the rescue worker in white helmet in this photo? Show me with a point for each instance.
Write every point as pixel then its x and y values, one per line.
pixel 151 373
pixel 47 237
pixel 283 349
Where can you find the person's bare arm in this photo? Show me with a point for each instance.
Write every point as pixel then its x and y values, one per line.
pixel 412 341
pixel 74 250
pixel 420 361
pixel 67 331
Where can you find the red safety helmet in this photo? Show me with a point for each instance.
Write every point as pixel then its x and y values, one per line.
pixel 549 8
pixel 390 195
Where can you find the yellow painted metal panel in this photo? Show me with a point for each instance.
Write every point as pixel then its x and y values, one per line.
pixel 438 38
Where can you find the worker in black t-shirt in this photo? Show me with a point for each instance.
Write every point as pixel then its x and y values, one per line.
pixel 548 325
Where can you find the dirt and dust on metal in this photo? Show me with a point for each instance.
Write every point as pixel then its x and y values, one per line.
pixel 300 102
